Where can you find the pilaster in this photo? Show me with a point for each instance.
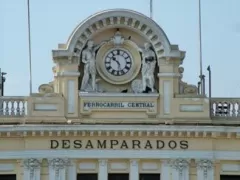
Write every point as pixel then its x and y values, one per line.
pixel 102 169
pixel 72 171
pixel 134 169
pixel 58 168
pixel 180 169
pixel 205 170
pixel 32 169
pixel 165 169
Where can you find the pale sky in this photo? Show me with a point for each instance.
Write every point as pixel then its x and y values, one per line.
pixel 52 22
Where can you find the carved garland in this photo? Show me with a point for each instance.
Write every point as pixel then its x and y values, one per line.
pixel 205 166
pixel 31 165
pixel 58 164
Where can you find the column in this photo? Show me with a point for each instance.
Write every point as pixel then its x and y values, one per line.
pixel 205 170
pixel 57 168
pixel 102 169
pixel 32 169
pixel 180 169
pixel 165 170
pixel 72 171
pixel 134 170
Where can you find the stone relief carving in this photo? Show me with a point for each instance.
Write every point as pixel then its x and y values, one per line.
pixel 46 88
pixel 117 39
pixel 58 164
pixel 185 88
pixel 148 67
pixel 89 59
pixel 180 165
pixel 205 165
pixel 31 165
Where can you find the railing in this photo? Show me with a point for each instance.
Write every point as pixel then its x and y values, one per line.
pixel 13 106
pixel 225 108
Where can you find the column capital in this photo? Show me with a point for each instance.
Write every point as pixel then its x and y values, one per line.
pixel 58 163
pixel 32 163
pixel 179 164
pixel 134 162
pixel 102 162
pixel 205 165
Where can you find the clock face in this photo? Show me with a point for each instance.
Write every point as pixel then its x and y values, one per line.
pixel 118 62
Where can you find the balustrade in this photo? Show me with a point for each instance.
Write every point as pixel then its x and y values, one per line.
pixel 225 107
pixel 13 106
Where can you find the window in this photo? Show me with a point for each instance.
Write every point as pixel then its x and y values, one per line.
pixel 87 177
pixel 149 177
pixel 229 177
pixel 8 177
pixel 118 176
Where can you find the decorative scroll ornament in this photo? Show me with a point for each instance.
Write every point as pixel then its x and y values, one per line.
pixel 31 165
pixel 205 166
pixel 58 164
pixel 180 165
pixel 117 39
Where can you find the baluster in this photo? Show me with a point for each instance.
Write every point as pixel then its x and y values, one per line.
pixel 18 108
pixel 1 107
pixel 238 109
pixel 7 108
pixel 12 112
pixel 23 108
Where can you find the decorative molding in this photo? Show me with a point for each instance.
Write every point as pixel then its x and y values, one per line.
pixel 205 169
pixel 57 167
pixel 191 108
pixel 32 169
pixel 181 167
pixel 6 167
pixel 167 97
pixel 68 74
pixel 87 165
pixel 169 74
pixel 205 166
pixel 120 130
pixel 45 107
pixel 71 96
pixel 86 94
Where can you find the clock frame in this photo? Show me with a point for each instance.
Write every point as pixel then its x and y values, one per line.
pixel 116 77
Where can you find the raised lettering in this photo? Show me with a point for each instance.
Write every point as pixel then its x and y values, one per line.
pixel 124 145
pixel 77 144
pixel 89 145
pixel 172 144
pixel 183 144
pixel 113 143
pixel 54 144
pixel 65 144
pixel 160 144
pixel 136 143
pixel 102 144
pixel 148 145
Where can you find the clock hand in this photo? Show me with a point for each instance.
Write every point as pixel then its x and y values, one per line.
pixel 119 65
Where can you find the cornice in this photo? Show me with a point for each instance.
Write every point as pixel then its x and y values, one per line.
pixel 121 130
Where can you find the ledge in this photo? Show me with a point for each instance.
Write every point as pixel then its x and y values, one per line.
pixel 89 94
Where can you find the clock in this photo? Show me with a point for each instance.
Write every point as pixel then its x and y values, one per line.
pixel 118 62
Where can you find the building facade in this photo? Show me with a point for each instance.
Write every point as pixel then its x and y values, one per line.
pixel 118 108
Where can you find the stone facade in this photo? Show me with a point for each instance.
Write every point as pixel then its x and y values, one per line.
pixel 118 104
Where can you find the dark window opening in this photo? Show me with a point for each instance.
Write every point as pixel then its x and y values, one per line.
pixel 87 177
pixel 149 177
pixel 8 177
pixel 229 177
pixel 118 176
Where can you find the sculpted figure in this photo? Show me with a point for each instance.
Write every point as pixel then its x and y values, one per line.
pixel 89 60
pixel 148 67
